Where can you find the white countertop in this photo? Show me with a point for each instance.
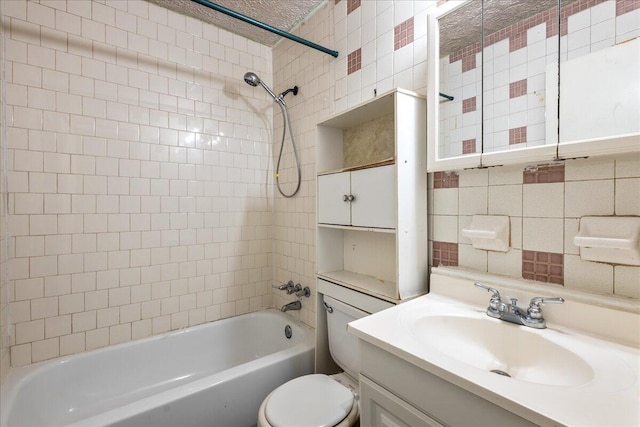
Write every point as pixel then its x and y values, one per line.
pixel 611 396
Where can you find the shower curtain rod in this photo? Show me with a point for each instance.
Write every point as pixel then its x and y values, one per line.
pixel 264 26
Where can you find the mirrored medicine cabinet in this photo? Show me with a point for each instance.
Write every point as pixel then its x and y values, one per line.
pixel 528 81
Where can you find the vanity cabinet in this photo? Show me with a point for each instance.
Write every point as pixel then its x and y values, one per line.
pixel 362 198
pixel 380 407
pixel 402 394
pixel 371 197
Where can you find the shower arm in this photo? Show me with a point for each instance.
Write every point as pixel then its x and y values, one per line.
pixel 291 89
pixel 266 27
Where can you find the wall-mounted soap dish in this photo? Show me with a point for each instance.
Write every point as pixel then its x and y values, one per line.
pixel 610 239
pixel 489 232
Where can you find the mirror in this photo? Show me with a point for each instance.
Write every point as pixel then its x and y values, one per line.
pixel 558 79
pixel 460 81
pixel 520 48
pixel 497 56
pixel 599 84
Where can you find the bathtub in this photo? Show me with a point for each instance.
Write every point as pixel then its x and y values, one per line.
pixel 210 375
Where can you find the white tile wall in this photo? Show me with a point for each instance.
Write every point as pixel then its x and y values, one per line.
pixel 543 234
pixel 9 182
pixel 588 276
pixel 169 224
pixel 627 198
pixel 589 197
pixel 505 200
pixel 543 200
pixel 139 173
pixel 626 281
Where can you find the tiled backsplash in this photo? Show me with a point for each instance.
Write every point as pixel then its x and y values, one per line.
pixel 544 203
pixel 446 180
pixel 444 254
pixel 542 174
pixel 543 267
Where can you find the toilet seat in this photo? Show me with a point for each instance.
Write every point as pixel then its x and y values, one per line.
pixel 312 400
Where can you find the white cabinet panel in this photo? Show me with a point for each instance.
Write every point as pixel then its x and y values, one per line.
pixel 430 394
pixel 371 198
pixel 382 408
pixel 602 118
pixel 374 204
pixel 332 208
pixel 376 237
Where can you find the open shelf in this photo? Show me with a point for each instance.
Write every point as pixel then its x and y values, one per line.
pixel 371 195
pixel 352 228
pixel 385 162
pixel 360 282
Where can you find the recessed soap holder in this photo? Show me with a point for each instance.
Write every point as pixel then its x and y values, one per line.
pixel 609 239
pixel 489 232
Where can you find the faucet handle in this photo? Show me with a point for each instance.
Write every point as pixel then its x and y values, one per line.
pixel 534 311
pixel 535 302
pixel 302 292
pixel 495 301
pixel 495 295
pixel 285 287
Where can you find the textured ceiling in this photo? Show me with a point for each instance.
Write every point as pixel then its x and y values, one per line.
pixel 462 27
pixel 282 14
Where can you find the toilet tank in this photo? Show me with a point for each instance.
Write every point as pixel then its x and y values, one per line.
pixel 343 346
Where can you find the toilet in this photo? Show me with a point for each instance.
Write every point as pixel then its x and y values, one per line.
pixel 319 400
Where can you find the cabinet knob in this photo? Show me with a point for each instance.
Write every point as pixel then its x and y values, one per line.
pixel 351 197
pixel 345 198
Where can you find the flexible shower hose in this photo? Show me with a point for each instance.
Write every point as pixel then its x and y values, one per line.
pixel 286 121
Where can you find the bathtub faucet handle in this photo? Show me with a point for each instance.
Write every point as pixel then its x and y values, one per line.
pixel 302 292
pixel 289 287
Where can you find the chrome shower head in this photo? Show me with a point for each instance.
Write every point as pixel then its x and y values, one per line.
pixel 252 79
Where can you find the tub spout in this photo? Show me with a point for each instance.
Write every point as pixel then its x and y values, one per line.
pixel 295 305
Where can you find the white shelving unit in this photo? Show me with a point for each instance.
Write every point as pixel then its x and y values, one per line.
pixel 372 216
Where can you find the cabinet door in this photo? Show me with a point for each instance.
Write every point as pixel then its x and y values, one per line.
pixel 604 119
pixel 382 408
pixel 374 203
pixel 332 209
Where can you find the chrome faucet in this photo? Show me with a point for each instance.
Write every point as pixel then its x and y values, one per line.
pixel 510 312
pixel 289 287
pixel 295 305
pixel 294 289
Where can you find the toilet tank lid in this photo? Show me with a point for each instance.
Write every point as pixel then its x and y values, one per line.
pixel 345 308
pixel 311 400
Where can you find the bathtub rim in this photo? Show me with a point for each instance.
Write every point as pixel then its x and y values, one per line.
pixel 20 374
pixel 170 395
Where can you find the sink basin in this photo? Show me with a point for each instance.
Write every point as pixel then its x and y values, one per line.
pixel 503 348
pixel 584 369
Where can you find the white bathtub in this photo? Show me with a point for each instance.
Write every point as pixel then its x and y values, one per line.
pixel 210 375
